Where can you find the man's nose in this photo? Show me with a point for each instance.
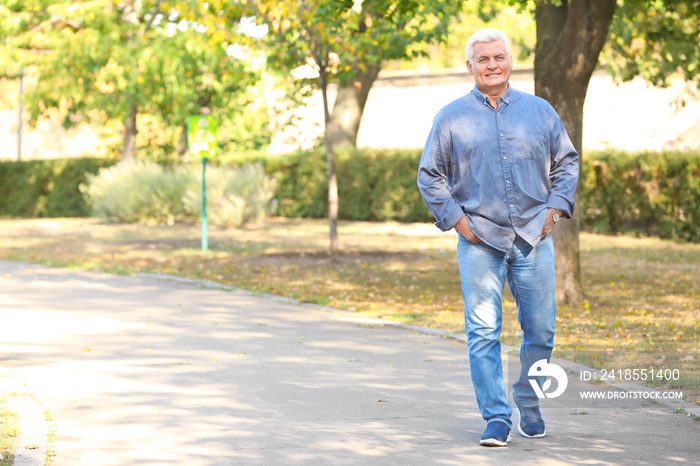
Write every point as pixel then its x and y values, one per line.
pixel 492 64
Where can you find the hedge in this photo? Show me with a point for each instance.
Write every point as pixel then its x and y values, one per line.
pixel 373 184
pixel 647 193
pixel 46 188
pixel 652 193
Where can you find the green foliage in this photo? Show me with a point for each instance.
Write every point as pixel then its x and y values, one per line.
pixel 140 192
pixel 357 34
pixel 46 188
pixel 380 185
pixel 517 21
pixel 234 196
pixel 372 184
pixel 648 193
pixel 145 192
pixel 243 127
pixel 98 60
pixel 301 180
pixel 247 126
pixel 26 32
pixel 656 39
pixel 651 193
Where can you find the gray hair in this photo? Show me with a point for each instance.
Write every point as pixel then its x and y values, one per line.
pixel 486 35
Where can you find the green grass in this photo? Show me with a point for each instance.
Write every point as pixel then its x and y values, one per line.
pixel 643 294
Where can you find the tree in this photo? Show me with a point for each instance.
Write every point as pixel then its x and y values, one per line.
pixel 311 33
pixel 23 40
pixel 107 60
pixel 657 40
pixel 382 31
pixel 652 38
pixel 570 37
pixel 198 76
pixel 346 41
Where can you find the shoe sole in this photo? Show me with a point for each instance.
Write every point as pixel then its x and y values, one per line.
pixel 492 442
pixel 520 429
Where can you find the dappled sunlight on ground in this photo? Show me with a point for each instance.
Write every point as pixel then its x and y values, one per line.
pixel 642 293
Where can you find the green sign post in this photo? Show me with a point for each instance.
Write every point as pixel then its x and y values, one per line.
pixel 201 139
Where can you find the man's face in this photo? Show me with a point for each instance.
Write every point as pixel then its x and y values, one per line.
pixel 491 67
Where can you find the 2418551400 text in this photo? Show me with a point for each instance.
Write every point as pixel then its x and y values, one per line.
pixel 631 375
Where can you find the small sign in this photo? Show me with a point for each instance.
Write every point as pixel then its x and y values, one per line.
pixel 201 135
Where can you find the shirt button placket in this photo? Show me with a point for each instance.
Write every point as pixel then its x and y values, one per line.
pixel 507 169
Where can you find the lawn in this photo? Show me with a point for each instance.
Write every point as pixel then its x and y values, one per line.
pixel 643 294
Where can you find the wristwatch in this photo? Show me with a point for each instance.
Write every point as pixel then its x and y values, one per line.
pixel 555 217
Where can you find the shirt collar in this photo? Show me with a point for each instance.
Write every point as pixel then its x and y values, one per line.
pixel 506 98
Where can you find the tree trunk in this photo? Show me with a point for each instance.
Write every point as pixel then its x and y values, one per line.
pixel 569 40
pixel 182 147
pixel 332 178
pixel 129 149
pixel 349 105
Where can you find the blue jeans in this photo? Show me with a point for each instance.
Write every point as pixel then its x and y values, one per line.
pixel 530 274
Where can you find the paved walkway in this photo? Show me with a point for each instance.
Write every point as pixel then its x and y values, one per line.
pixel 142 370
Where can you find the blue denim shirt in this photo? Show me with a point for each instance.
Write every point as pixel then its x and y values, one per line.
pixel 502 168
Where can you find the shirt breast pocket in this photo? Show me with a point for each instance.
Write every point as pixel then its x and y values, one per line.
pixel 531 145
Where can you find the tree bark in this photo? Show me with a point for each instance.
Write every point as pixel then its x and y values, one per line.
pixel 129 149
pixel 330 158
pixel 350 101
pixel 569 40
pixel 182 146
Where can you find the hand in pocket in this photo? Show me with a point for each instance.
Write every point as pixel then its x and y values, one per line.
pixel 463 227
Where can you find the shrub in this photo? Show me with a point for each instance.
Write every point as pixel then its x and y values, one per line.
pixel 234 196
pixel 145 192
pixel 653 193
pixel 373 184
pixel 46 188
pixel 649 192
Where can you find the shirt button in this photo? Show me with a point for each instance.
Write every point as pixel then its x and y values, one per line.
pixel 508 181
pixel 501 134
pixel 505 158
pixel 511 205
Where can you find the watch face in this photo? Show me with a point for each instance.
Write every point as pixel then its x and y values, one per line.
pixel 555 217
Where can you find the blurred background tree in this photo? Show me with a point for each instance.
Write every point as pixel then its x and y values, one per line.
pixel 125 61
pixel 473 15
pixel 347 42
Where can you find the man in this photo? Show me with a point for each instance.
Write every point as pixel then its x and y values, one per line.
pixel 499 168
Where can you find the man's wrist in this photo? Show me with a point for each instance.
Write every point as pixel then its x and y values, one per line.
pixel 556 214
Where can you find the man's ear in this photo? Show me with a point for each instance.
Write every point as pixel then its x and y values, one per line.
pixel 469 67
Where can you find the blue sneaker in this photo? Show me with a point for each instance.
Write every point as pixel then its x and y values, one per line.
pixel 497 434
pixel 530 422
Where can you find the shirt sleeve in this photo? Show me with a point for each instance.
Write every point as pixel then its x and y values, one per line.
pixel 564 169
pixel 433 175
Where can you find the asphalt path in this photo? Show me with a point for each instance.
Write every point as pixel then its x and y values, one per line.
pixel 127 370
